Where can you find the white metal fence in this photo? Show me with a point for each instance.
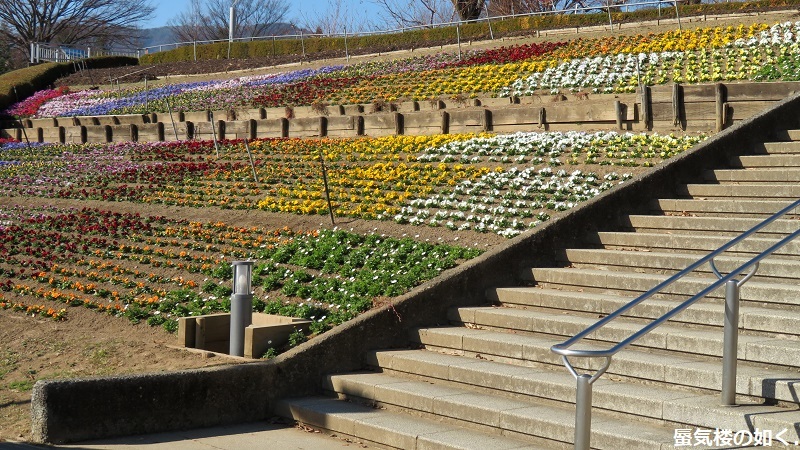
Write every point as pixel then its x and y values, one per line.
pixel 44 52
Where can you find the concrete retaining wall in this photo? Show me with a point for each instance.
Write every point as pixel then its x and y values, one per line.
pixel 708 107
pixel 71 410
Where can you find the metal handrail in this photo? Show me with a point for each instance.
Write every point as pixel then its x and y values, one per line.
pixel 583 401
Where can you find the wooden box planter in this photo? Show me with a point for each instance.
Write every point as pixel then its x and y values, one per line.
pixel 212 332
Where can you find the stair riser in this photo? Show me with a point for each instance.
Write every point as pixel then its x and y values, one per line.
pixel 406 392
pixel 723 208
pixel 785 161
pixel 751 192
pixel 673 340
pixel 690 225
pixel 464 416
pixel 753 175
pixel 384 432
pixel 770 270
pixel 627 283
pixel 539 420
pixel 779 148
pixel 656 369
pixel 694 244
pixel 704 313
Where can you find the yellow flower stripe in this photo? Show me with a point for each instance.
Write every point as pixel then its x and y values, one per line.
pixel 367 191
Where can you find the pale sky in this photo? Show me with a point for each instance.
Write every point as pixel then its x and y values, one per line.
pixel 167 9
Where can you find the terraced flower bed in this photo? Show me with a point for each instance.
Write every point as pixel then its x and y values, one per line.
pixel 610 64
pixel 156 269
pixel 498 184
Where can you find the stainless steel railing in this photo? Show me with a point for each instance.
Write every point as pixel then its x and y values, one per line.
pixel 583 403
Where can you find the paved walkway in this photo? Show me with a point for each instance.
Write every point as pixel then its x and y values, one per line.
pixel 254 436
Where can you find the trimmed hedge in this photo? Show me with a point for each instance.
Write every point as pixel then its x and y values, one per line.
pixel 447 35
pixel 20 84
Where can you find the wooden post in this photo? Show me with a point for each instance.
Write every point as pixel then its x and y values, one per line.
pixel 252 128
pixel 619 112
pixel 677 105
pixel 359 125
pixel 398 124
pixel 284 127
pixel 720 94
pixel 542 118
pixel 445 122
pixel 647 111
pixel 323 126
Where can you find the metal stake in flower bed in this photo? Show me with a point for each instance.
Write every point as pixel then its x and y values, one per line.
pixel 214 134
pixel 252 164
pixel 174 127
pixel 325 182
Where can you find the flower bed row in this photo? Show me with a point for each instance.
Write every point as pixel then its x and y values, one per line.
pixel 97 260
pixel 610 64
pixel 383 179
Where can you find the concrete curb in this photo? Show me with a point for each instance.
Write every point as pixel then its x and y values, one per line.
pixel 92 408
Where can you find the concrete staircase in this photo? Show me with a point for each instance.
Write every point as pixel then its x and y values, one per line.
pixel 490 381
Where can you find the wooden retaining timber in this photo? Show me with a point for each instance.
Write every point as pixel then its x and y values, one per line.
pixel 666 108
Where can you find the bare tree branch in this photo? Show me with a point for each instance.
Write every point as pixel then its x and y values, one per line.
pixel 208 19
pixel 337 18
pixel 72 22
pixel 410 13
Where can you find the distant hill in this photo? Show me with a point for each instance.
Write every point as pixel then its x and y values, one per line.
pixel 164 35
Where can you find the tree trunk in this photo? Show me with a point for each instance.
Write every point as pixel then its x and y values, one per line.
pixel 468 9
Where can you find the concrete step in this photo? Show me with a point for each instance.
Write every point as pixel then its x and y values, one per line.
pixel 657 368
pixel 632 283
pixel 548 422
pixel 764 161
pixel 389 429
pixel 666 338
pixel 786 174
pixel 741 191
pixel 788 135
pixel 775 148
pixel 733 226
pixel 779 270
pixel 785 322
pixel 475 385
pixel 688 243
pixel 732 208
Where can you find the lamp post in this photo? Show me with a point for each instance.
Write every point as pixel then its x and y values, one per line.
pixel 231 20
pixel 241 305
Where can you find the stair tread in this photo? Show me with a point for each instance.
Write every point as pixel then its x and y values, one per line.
pixel 770 269
pixel 391 428
pixel 654 402
pixel 735 224
pixel 622 324
pixel 686 370
pixel 744 310
pixel 750 291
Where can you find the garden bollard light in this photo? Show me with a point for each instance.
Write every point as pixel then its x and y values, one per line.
pixel 241 305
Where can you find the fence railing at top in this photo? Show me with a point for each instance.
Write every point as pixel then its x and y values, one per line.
pixel 627 7
pixel 46 52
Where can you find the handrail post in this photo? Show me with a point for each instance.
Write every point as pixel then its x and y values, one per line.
pixel 583 412
pixel 730 343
